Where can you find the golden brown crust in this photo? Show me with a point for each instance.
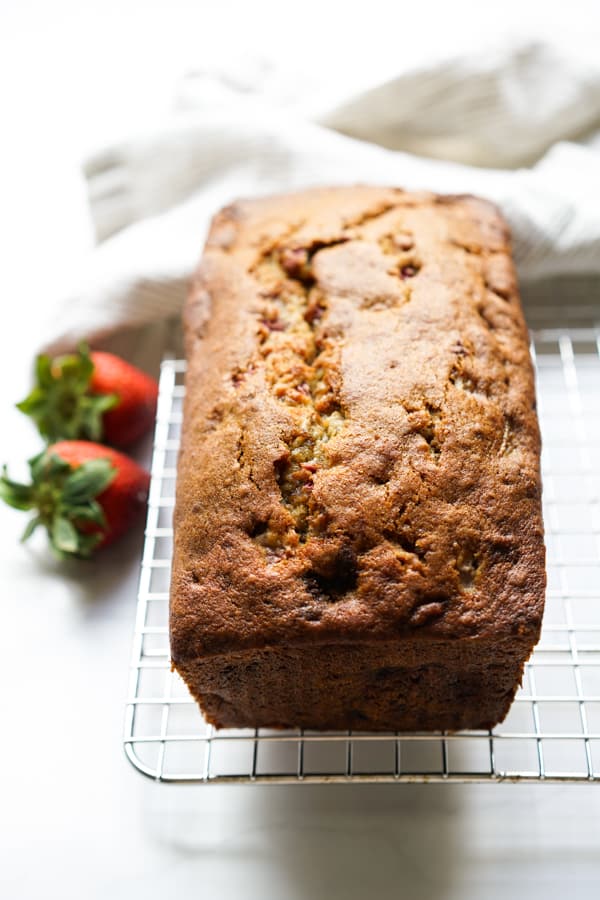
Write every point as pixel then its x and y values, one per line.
pixel 360 451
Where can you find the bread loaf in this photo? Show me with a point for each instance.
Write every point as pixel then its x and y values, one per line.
pixel 358 530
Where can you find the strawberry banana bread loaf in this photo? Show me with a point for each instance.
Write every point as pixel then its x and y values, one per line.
pixel 358 532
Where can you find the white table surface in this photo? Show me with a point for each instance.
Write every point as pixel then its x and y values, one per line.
pixel 75 820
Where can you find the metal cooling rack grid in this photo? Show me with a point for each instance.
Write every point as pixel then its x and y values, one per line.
pixel 552 732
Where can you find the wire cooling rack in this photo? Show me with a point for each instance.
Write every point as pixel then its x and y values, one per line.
pixel 552 732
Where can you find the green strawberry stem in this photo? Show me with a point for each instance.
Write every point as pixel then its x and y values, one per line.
pixel 64 500
pixel 61 403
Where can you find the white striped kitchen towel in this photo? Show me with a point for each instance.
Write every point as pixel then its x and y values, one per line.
pixel 464 121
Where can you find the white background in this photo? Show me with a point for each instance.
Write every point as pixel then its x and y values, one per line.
pixel 75 820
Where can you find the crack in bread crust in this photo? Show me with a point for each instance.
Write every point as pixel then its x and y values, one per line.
pixel 300 369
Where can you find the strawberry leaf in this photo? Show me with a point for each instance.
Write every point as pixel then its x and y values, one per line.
pixel 19 496
pixel 64 535
pixel 88 512
pixel 33 402
pixel 43 370
pixel 30 528
pixel 87 481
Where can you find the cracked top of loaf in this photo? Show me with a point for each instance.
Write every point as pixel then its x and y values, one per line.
pixel 360 448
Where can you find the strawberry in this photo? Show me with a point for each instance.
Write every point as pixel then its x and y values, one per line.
pixel 84 494
pixel 94 395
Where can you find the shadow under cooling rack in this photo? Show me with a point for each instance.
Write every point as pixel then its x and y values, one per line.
pixel 553 729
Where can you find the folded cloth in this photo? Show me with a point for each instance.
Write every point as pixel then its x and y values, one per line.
pixel 152 196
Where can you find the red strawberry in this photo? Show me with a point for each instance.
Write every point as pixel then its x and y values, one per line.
pixel 133 415
pixel 94 395
pixel 84 494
